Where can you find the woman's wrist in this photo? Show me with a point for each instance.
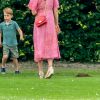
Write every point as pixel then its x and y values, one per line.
pixel 57 28
pixel 34 13
pixel 57 24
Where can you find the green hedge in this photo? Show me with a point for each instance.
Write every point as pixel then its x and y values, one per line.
pixel 80 26
pixel 80 37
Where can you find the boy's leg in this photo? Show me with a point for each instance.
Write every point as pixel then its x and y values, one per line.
pixel 14 55
pixel 4 58
pixel 15 61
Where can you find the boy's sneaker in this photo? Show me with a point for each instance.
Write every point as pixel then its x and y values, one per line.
pixel 3 70
pixel 17 72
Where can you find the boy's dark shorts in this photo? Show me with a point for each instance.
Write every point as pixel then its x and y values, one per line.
pixel 10 49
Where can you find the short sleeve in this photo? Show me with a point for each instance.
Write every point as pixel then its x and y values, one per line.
pixel 56 4
pixel 0 28
pixel 33 5
pixel 16 26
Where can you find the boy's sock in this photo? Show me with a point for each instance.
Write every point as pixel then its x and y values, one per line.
pixel 17 72
pixel 3 70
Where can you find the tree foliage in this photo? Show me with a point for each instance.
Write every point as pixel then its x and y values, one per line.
pixel 80 37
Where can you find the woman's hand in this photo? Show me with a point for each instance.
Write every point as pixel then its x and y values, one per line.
pixel 57 29
pixel 34 13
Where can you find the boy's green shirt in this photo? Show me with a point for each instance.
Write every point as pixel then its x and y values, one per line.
pixel 9 33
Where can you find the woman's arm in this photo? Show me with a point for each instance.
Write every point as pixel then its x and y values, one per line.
pixel 56 19
pixel 56 16
pixel 33 6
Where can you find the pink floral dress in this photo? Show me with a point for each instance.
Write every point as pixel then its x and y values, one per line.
pixel 45 37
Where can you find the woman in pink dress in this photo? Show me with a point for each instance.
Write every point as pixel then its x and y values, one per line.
pixel 45 36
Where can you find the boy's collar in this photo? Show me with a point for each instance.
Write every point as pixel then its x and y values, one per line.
pixel 10 22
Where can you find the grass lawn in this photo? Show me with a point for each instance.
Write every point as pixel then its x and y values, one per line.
pixel 64 85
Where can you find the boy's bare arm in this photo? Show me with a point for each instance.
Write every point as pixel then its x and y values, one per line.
pixel 21 34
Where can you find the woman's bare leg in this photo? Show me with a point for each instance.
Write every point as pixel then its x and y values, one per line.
pixel 40 69
pixel 50 70
pixel 50 62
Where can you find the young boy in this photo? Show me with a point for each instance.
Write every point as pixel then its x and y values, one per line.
pixel 8 29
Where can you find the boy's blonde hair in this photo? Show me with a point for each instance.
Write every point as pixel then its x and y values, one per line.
pixel 8 10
